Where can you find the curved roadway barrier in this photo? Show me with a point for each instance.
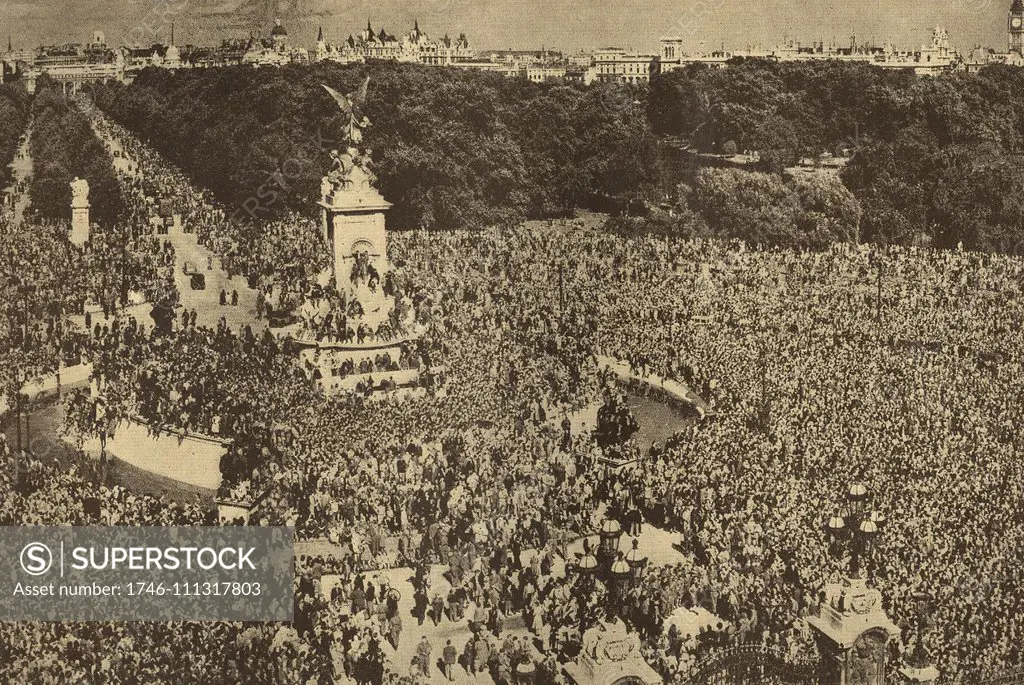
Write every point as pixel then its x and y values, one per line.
pixel 190 459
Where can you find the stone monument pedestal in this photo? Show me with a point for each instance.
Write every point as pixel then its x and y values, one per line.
pixel 79 212
pixel 354 230
pixel 853 632
pixel 369 344
pixel 353 224
pixel 611 656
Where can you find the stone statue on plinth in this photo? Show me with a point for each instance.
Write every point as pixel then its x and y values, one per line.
pixel 351 106
pixel 353 210
pixel 79 192
pixel 344 164
pixel 359 325
pixel 79 211
pixel 350 170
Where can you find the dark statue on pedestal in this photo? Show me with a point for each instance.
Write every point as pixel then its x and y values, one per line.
pixel 343 164
pixel 867 661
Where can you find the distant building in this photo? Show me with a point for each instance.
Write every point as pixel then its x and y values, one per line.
pixel 524 57
pixel 415 47
pixel 537 66
pixel 279 37
pixel 275 51
pixel 622 66
pixel 581 60
pixel 138 58
pixel 228 53
pixel 933 58
pixel 15 62
pixel 1015 26
pixel 74 64
pixel 585 75
pixel 512 70
pixel 542 73
pixel 172 57
pixel 99 42
pixel 979 58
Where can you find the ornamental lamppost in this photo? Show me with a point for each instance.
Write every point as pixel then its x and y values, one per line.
pixel 587 565
pixel 919 669
pixel 619 579
pixel 587 568
pixel 854 524
pixel 637 563
pixel 852 629
pixel 610 533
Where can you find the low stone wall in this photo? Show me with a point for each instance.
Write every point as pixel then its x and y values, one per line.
pixel 193 460
pixel 403 377
pixel 670 392
pixel 46 387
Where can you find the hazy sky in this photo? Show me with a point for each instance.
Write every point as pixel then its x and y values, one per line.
pixel 563 24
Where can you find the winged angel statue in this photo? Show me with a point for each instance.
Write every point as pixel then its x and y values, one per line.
pixel 344 163
pixel 351 106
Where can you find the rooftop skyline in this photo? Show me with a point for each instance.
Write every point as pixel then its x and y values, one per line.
pixel 567 25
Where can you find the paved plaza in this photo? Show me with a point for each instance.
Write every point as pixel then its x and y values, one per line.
pixel 659 546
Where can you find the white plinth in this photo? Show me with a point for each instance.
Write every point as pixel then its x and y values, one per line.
pixel 79 224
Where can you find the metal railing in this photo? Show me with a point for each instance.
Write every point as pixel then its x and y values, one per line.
pixel 751 665
pixel 1011 678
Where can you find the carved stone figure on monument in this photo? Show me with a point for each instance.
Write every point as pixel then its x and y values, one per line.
pixel 351 107
pixel 341 169
pixel 356 129
pixel 366 162
pixel 79 191
pixel 355 122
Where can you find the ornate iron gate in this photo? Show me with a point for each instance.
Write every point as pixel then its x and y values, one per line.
pixel 752 665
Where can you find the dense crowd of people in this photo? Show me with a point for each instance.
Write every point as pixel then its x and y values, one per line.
pixel 812 381
pixel 814 385
pixel 281 256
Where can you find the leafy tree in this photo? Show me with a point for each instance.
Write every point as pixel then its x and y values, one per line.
pixel 458 149
pixel 894 182
pixel 14 109
pixel 64 147
pixel 830 211
pixel 453 149
pixel 755 207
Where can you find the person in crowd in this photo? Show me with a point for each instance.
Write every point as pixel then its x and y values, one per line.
pixel 796 381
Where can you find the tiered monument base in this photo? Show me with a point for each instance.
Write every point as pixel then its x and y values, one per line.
pixel 852 632
pixel 611 656
pixel 353 226
pixel 323 359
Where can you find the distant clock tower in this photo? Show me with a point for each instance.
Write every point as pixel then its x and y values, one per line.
pixel 1016 27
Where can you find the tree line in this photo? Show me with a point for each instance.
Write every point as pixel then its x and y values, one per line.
pixel 931 160
pixel 935 161
pixel 14 109
pixel 452 149
pixel 63 147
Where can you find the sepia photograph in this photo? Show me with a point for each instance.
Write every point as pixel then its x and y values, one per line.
pixel 512 342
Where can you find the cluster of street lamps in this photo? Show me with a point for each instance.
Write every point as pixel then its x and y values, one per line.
pixel 857 525
pixel 621 571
